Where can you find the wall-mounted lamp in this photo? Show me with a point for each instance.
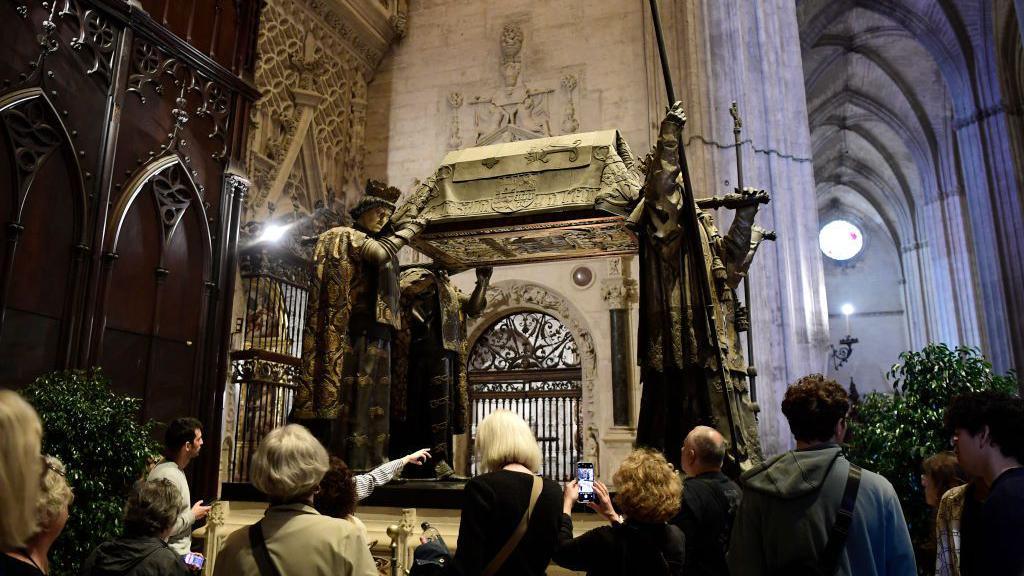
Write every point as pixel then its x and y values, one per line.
pixel 840 355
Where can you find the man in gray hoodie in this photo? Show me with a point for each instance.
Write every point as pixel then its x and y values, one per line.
pixel 790 503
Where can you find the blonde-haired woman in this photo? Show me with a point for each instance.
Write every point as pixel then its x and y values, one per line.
pixel 638 542
pixel 296 539
pixel 507 495
pixel 20 468
pixel 51 507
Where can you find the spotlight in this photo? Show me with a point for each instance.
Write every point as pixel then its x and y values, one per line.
pixel 273 233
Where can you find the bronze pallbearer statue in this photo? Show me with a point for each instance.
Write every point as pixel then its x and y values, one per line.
pixel 353 311
pixel 692 367
pixel 429 400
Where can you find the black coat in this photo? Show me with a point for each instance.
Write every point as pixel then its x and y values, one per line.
pixel 494 504
pixel 622 549
pixel 710 501
pixel 134 557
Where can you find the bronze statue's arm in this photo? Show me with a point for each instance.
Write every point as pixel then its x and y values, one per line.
pixel 382 249
pixel 737 241
pixel 474 305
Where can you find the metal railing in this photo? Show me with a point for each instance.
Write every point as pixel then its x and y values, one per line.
pixel 549 401
pixel 264 373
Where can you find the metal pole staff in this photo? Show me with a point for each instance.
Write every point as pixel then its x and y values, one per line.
pixel 695 248
pixel 737 129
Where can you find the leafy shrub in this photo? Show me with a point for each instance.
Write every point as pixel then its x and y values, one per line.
pixel 100 438
pixel 892 433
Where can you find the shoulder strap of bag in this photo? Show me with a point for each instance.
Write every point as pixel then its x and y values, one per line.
pixel 513 540
pixel 264 562
pixel 841 529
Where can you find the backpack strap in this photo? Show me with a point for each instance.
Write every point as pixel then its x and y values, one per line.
pixel 841 529
pixel 264 562
pixel 513 540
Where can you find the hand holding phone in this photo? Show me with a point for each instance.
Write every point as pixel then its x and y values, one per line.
pixel 194 560
pixel 585 476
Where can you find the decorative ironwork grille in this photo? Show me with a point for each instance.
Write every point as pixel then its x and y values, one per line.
pixel 264 391
pixel 265 371
pixel 529 363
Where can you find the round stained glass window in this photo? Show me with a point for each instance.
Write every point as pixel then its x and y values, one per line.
pixel 840 240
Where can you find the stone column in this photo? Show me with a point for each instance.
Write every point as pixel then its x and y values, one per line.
pixel 726 50
pixel 619 291
pixel 997 218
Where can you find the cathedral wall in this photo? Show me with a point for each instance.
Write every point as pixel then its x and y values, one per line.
pixel 872 283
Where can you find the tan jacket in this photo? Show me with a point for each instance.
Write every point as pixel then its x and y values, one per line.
pixel 300 542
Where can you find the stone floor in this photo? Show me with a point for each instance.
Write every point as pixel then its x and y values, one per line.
pixel 378 518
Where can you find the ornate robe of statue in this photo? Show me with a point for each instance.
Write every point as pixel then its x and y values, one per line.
pixel 692 368
pixel 352 313
pixel 429 392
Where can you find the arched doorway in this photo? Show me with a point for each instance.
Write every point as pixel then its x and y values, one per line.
pixel 528 362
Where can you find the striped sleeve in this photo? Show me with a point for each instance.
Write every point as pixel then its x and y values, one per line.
pixel 365 483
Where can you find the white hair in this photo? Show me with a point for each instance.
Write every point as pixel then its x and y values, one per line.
pixel 505 438
pixel 20 468
pixel 288 464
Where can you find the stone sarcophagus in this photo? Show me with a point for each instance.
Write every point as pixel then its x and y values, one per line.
pixel 534 200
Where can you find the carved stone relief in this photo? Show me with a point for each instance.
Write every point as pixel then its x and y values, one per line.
pixel 508 108
pixel 308 131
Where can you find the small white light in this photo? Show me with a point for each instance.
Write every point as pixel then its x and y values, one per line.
pixel 847 309
pixel 273 233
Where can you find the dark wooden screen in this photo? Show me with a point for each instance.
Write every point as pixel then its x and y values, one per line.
pixel 119 196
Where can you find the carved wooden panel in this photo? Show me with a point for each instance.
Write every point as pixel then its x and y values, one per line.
pixel 214 27
pixel 118 207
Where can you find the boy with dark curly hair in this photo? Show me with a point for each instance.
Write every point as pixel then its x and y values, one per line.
pixel 988 438
pixel 789 519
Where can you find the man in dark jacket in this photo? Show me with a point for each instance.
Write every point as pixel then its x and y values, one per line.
pixel 709 504
pixel 988 436
pixel 142 551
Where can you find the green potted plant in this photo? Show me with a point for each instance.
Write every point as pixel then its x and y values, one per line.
pixel 892 433
pixel 105 446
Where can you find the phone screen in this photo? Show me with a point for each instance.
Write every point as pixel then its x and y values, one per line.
pixel 585 475
pixel 194 560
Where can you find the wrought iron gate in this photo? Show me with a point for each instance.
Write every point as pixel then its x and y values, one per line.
pixel 529 363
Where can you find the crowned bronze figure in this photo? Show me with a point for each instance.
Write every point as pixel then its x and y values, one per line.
pixel 352 314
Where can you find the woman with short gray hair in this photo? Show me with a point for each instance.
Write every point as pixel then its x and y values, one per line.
pixel 142 551
pixel 292 536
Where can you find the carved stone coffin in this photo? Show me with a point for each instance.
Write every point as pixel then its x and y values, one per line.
pixel 534 200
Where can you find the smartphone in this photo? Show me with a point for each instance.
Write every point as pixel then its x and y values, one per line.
pixel 585 475
pixel 194 560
